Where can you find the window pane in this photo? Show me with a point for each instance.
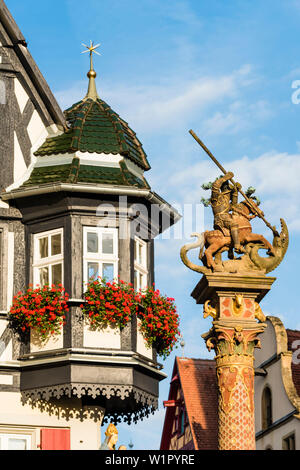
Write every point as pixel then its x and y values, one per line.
pixel 92 242
pixel 108 271
pixel 44 276
pixel 107 243
pixel 56 244
pixel 17 444
pixel 140 258
pixel 57 274
pixel 43 247
pixel 93 270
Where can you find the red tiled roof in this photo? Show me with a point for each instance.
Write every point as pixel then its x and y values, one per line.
pixel 199 386
pixel 294 335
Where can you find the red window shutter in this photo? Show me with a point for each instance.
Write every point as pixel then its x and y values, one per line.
pixel 55 439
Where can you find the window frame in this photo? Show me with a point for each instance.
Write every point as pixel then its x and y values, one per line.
pixel 4 436
pixel 100 257
pixel 266 418
pixel 50 260
pixel 286 441
pixel 140 268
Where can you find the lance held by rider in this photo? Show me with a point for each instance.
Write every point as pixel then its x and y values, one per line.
pixel 257 211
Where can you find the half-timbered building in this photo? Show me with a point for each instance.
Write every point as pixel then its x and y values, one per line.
pixel 74 205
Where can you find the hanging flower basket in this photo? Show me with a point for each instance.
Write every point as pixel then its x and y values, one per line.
pixel 42 309
pixel 159 321
pixel 109 303
pixel 116 303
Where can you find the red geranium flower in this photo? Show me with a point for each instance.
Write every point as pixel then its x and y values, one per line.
pixel 45 309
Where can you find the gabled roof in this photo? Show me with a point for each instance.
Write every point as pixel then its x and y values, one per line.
pixel 294 335
pixel 199 386
pixel 197 380
pixel 14 46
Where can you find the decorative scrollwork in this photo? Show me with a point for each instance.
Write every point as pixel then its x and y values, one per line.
pixel 43 397
pixel 208 310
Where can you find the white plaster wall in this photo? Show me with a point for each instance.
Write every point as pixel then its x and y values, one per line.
pixel 268 345
pixel 51 160
pixel 10 268
pixel 14 413
pixel 100 159
pixel 3 325
pixel 20 167
pixel 4 204
pixel 52 342
pixel 21 95
pixel 7 354
pixel 274 438
pixel 141 345
pixel 36 130
pixel 108 338
pixel 6 379
pixel 136 170
pixel 281 405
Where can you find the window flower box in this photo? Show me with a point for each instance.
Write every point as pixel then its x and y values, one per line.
pixel 41 309
pixel 115 303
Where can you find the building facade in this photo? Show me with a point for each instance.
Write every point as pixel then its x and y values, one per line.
pixel 74 205
pixel 277 388
pixel 192 407
pixel 191 420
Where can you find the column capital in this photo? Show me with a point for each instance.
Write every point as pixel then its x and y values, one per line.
pixel 216 284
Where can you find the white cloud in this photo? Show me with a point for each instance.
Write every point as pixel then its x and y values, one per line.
pixel 180 11
pixel 167 105
pixel 274 175
pixel 239 116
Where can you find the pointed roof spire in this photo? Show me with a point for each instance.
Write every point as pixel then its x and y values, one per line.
pixel 92 90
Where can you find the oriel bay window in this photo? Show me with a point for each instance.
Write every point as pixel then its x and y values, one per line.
pixel 100 253
pixel 48 258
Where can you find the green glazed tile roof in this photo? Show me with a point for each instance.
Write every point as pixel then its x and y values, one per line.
pixel 96 128
pixel 77 173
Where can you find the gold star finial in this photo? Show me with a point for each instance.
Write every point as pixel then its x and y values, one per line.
pixel 91 48
pixel 92 92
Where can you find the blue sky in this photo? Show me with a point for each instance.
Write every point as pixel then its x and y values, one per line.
pixel 224 69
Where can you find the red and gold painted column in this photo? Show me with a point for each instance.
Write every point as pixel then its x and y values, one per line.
pixel 232 302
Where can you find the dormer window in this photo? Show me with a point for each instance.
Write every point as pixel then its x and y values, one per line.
pixel 48 258
pixel 140 264
pixel 100 253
